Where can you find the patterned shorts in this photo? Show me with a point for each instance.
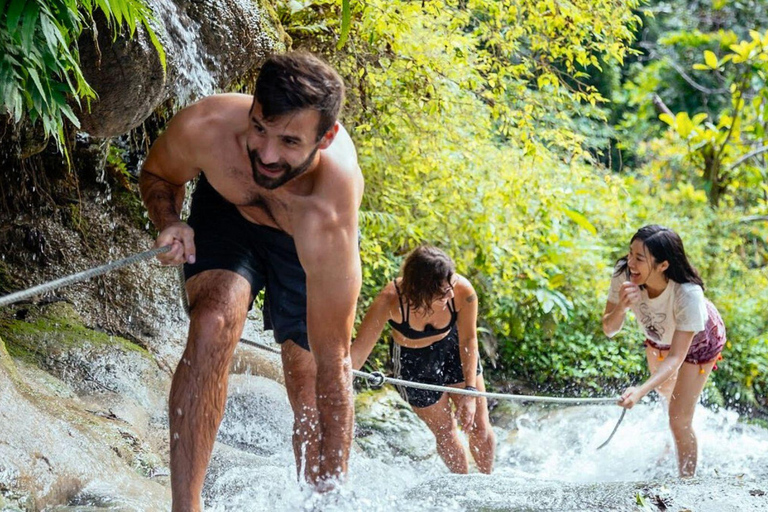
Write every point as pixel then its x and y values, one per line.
pixel 706 344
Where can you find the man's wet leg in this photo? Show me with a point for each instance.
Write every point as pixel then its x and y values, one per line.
pixel 219 302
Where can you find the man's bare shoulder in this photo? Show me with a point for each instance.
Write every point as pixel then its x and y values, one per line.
pixel 212 117
pixel 339 163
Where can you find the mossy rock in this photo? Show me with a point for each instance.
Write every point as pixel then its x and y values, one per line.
pixel 53 338
pixel 37 333
pixel 386 427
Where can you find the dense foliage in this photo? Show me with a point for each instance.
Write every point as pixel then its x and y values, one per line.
pixel 473 122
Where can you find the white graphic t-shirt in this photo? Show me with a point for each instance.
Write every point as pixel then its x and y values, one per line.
pixel 680 307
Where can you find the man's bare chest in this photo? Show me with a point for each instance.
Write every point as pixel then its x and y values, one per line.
pixel 255 203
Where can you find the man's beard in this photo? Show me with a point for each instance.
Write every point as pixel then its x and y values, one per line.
pixel 289 172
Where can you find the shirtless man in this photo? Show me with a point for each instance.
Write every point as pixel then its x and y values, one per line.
pixel 276 206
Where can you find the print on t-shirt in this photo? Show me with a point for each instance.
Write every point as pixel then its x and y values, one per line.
pixel 653 323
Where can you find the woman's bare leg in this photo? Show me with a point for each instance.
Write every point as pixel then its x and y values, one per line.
pixel 482 440
pixel 441 422
pixel 690 383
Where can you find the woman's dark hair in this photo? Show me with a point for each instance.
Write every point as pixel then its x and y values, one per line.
pixel 664 245
pixel 295 81
pixel 425 272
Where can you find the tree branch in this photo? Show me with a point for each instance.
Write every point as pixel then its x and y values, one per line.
pixel 660 106
pixel 754 218
pixel 692 82
pixel 749 155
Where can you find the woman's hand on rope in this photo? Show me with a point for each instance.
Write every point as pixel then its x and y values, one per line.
pixel 465 411
pixel 630 397
pixel 181 238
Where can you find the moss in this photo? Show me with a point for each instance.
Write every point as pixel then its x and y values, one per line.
pixel 54 328
pixel 129 203
pixel 73 217
pixel 760 422
pixel 272 25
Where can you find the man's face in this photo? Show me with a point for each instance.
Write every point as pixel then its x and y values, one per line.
pixel 282 148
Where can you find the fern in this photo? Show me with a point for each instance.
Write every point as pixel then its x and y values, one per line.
pixel 40 72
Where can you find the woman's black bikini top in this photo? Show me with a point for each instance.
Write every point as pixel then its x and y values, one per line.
pixel 409 332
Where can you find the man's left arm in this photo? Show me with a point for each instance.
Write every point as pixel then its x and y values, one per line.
pixel 327 245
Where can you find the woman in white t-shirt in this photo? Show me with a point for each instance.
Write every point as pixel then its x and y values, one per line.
pixel 684 332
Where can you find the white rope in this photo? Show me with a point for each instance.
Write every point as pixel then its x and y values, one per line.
pixel 80 276
pixel 378 378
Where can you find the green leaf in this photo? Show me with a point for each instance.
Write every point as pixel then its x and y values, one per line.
pixel 157 44
pixel 31 17
pixel 580 220
pixel 667 119
pixel 683 124
pixel 36 78
pixel 67 111
pixel 346 18
pixel 698 118
pixel 14 15
pixel 710 59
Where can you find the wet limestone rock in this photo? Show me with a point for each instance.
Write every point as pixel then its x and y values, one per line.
pixel 52 448
pixel 387 428
pixel 258 417
pixel 141 302
pixel 208 45
pixel 54 338
pixel 508 493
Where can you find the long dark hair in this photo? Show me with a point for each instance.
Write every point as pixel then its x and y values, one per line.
pixel 425 271
pixel 664 245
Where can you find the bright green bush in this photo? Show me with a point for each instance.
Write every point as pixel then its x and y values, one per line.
pixel 496 176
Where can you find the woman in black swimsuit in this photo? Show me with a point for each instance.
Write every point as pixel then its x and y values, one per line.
pixel 433 315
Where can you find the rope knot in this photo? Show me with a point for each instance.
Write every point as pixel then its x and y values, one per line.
pixel 376 380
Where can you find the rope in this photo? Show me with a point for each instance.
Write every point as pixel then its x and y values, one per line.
pixel 377 379
pixel 80 276
pixel 621 418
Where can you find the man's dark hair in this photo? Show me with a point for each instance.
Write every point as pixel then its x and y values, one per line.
pixel 664 245
pixel 299 80
pixel 425 271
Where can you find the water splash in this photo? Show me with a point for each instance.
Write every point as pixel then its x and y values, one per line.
pixel 561 445
pixel 546 458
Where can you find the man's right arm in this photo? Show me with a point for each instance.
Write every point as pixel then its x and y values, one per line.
pixel 162 180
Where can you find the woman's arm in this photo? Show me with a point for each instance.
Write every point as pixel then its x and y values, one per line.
pixel 370 329
pixel 681 342
pixel 614 314
pixel 466 306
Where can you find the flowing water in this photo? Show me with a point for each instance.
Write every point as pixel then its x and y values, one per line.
pixel 546 460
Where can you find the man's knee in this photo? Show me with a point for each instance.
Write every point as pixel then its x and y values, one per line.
pixel 216 321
